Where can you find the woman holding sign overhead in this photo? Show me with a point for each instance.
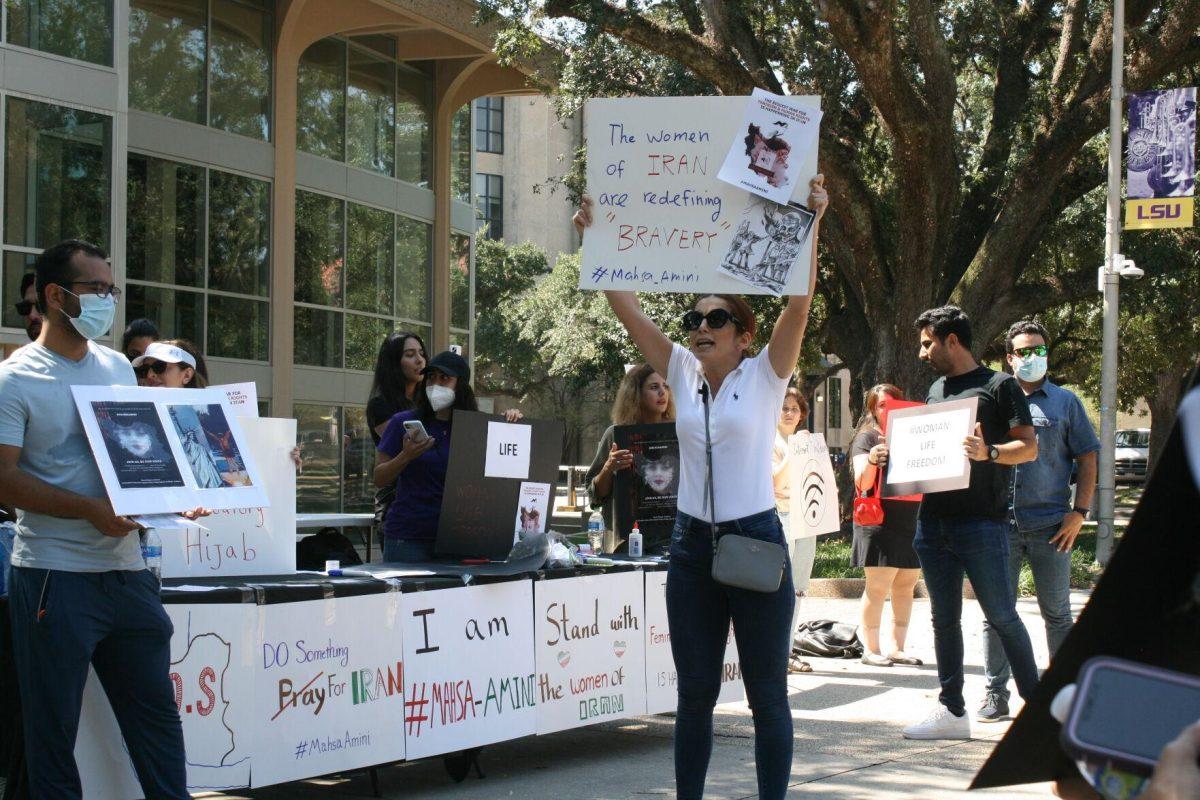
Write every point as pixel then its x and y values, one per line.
pixel 726 395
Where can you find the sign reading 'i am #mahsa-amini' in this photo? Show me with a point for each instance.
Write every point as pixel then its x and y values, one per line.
pixel 664 222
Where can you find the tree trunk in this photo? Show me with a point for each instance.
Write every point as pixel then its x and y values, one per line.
pixel 1162 410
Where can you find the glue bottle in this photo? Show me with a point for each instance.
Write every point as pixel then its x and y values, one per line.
pixel 635 542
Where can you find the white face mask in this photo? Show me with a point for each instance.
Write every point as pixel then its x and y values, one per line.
pixel 440 397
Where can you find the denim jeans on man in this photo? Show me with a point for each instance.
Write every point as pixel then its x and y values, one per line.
pixel 978 547
pixel 114 621
pixel 408 551
pixel 1052 577
pixel 699 610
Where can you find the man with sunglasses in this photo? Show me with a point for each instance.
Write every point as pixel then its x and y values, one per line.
pixel 80 594
pixel 27 307
pixel 1045 521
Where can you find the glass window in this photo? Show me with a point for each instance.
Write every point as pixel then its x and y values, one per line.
pixel 371 112
pixel 369 259
pixel 318 489
pixel 414 276
pixel 318 337
pixel 15 267
pixel 358 470
pixel 414 99
pixel 81 29
pixel 239 234
pixel 321 99
pixel 164 240
pixel 489 203
pixel 460 281
pixel 167 57
pixel 240 69
pixel 318 249
pixel 57 176
pixel 835 402
pixel 489 124
pixel 239 328
pixel 460 154
pixel 178 314
pixel 363 337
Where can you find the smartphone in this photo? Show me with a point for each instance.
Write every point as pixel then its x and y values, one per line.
pixel 416 430
pixel 1126 713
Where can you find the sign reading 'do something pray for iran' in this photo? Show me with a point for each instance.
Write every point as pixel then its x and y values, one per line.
pixel 664 222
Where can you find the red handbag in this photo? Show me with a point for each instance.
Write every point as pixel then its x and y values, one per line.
pixel 867 508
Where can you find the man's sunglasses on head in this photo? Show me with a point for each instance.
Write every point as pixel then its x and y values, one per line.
pixel 1035 350
pixel 717 318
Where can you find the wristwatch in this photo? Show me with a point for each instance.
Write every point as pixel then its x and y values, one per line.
pixel 993 453
pixel 1081 511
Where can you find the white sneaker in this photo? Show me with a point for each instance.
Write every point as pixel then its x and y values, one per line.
pixel 940 724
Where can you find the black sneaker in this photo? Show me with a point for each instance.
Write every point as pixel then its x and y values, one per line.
pixel 994 709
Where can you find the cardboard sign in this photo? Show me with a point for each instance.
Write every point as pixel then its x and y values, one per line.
pixel 925 452
pixel 662 684
pixel 648 492
pixel 479 510
pixel 329 687
pixel 168 450
pixel 468 655
pixel 245 541
pixel 664 222
pixel 814 496
pixel 591 650
pixel 242 397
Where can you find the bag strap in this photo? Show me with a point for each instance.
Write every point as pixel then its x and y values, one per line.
pixel 709 495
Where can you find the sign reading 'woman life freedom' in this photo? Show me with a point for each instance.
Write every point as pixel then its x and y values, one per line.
pixel 925 448
pixel 664 222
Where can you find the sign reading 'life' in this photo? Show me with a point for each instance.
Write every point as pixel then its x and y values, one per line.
pixel 508 450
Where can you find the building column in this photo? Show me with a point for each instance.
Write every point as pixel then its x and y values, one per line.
pixel 283 227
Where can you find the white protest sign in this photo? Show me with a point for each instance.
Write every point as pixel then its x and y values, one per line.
pixel 662 690
pixel 925 448
pixel 814 495
pixel 664 222
pixel 329 687
pixel 591 650
pixel 246 541
pixel 508 450
pixel 242 397
pixel 760 154
pixel 468 657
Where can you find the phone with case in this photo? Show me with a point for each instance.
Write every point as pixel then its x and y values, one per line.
pixel 416 429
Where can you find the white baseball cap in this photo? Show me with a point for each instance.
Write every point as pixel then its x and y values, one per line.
pixel 161 351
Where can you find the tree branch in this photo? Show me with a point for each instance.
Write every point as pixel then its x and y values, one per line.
pixel 732 30
pixel 941 87
pixel 692 16
pixel 1070 45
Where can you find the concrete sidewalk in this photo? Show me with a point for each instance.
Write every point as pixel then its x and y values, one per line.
pixel 848 719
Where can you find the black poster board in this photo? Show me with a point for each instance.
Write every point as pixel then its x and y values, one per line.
pixel 479 513
pixel 647 492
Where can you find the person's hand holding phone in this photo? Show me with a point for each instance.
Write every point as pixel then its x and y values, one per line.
pixel 1177 774
pixel 413 448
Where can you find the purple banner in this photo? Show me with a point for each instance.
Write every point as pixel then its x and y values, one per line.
pixel 1161 151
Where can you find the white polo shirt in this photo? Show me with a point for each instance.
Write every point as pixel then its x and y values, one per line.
pixel 743 418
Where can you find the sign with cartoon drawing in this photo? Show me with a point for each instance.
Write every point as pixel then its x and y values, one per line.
pixel 814 495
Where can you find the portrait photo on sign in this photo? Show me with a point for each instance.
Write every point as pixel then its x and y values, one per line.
pixel 137 445
pixel 647 492
pixel 209 445
pixel 533 509
pixel 776 134
pixel 767 243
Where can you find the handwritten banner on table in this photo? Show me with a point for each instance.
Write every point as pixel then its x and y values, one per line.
pixel 470 668
pixel 662 689
pixel 329 687
pixel 664 222
pixel 814 496
pixel 925 452
pixel 591 650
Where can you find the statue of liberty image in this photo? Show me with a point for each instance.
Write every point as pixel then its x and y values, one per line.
pixel 195 447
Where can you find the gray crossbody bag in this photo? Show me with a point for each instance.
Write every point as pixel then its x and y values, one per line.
pixel 739 561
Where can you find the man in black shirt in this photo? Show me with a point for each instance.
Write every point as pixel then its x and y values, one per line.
pixel 966 531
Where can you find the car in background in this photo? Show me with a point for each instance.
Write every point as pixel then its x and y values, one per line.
pixel 1133 454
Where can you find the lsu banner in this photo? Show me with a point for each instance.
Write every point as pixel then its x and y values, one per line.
pixel 1161 159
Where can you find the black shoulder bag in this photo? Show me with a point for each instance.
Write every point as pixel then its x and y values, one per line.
pixel 739 561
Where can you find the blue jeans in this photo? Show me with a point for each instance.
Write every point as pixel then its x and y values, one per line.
pixel 699 610
pixel 1052 580
pixel 978 547
pixel 61 623
pixel 407 551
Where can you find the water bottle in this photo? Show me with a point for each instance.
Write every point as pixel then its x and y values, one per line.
pixel 152 552
pixel 595 531
pixel 635 542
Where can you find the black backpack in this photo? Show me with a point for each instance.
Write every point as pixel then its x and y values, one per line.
pixel 328 544
pixel 824 638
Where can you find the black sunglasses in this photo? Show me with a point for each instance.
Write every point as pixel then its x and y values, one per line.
pixel 158 368
pixel 717 318
pixel 24 307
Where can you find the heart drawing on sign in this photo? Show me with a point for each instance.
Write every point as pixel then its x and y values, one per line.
pixel 564 658
pixel 619 648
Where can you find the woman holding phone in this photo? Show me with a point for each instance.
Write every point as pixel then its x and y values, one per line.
pixel 745 394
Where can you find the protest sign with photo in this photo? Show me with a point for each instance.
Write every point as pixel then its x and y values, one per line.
pixel 925 448
pixel 647 492
pixel 664 221
pixel 773 128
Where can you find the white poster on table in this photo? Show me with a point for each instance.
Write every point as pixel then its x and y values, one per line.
pixel 329 687
pixel 662 685
pixel 814 495
pixel 925 448
pixel 468 657
pixel 242 397
pixel 664 222
pixel 245 541
pixel 591 650
pixel 773 128
pixel 168 450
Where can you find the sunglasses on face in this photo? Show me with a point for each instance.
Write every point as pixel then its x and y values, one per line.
pixel 24 307
pixel 1035 350
pixel 158 368
pixel 717 318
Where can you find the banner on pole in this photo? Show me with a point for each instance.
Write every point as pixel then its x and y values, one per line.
pixel 1161 159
